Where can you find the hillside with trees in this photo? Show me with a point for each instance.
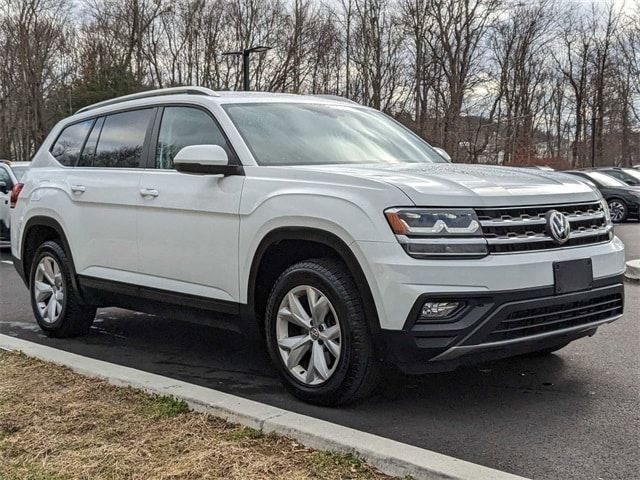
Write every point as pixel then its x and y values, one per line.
pixel 511 82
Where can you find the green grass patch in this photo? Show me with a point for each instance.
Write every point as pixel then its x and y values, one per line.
pixel 329 460
pixel 246 433
pixel 163 406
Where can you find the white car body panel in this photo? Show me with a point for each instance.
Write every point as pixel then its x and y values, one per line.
pixel 189 232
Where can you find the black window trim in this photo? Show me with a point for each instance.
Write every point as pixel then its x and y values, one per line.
pixel 150 161
pixel 99 120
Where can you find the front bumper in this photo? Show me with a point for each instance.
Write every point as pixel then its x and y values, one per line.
pixel 503 324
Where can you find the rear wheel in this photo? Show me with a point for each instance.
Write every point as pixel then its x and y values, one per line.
pixel 318 336
pixel 56 305
pixel 619 210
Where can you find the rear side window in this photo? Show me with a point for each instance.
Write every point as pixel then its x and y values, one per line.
pixel 182 127
pixel 69 144
pixel 121 140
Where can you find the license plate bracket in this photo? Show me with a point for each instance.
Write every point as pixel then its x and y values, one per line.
pixel 573 275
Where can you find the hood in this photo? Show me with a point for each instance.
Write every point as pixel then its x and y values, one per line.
pixel 456 184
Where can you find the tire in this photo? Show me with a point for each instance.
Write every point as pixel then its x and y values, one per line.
pixel 69 317
pixel 348 377
pixel 619 210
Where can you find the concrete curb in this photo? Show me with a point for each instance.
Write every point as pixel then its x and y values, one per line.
pixel 633 270
pixel 390 457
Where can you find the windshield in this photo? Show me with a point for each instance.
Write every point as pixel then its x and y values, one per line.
pixel 312 134
pixel 606 180
pixel 632 173
pixel 19 172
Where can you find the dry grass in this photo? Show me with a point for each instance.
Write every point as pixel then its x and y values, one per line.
pixel 55 424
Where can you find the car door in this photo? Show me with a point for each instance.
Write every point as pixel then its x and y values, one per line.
pixel 188 224
pixel 104 187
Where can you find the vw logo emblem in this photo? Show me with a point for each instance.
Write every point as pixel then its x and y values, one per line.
pixel 558 226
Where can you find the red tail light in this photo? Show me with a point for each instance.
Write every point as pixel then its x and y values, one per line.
pixel 15 193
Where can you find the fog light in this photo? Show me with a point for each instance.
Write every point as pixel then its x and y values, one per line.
pixel 439 310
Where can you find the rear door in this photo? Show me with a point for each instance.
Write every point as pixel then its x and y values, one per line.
pixel 104 187
pixel 188 224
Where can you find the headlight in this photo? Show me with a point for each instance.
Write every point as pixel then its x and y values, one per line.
pixel 607 213
pixel 438 232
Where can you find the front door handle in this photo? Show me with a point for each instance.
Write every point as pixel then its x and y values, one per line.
pixel 78 188
pixel 149 192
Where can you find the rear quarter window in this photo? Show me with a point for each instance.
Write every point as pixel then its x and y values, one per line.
pixel 68 145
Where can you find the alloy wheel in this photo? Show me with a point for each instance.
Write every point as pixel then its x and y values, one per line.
pixel 48 289
pixel 617 210
pixel 309 335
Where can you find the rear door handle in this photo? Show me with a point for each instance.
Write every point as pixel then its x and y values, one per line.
pixel 78 188
pixel 149 192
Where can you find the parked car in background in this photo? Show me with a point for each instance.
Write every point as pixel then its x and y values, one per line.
pixel 630 176
pixel 623 199
pixel 339 235
pixel 10 175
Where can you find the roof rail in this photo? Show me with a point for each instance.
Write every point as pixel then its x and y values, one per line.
pixel 152 93
pixel 337 98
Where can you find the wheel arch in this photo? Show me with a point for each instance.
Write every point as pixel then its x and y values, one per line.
pixel 328 241
pixel 37 230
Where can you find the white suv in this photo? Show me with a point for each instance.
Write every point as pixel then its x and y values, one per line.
pixel 335 232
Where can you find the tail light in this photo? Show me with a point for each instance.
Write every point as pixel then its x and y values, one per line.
pixel 15 193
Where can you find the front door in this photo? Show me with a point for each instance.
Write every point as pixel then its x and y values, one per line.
pixel 188 224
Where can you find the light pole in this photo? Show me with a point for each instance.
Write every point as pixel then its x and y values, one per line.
pixel 245 61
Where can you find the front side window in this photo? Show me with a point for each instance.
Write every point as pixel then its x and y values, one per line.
pixel 121 139
pixel 184 126
pixel 68 146
pixel 318 134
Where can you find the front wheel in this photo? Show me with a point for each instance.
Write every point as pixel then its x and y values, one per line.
pixel 619 210
pixel 318 336
pixel 56 305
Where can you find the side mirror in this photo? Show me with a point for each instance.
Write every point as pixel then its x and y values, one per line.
pixel 443 153
pixel 205 160
pixel 3 187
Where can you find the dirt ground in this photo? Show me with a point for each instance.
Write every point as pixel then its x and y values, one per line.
pixel 55 424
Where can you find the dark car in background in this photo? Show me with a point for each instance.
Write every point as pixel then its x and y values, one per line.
pixel 623 199
pixel 630 176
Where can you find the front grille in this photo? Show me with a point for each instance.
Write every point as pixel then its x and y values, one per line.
pixel 533 321
pixel 519 229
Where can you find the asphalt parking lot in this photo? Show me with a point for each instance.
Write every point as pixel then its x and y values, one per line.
pixel 573 415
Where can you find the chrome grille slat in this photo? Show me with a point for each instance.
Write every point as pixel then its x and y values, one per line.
pixel 517 229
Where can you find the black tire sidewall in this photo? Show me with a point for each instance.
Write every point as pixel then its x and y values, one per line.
pixel 49 249
pixel 302 276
